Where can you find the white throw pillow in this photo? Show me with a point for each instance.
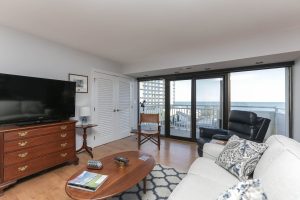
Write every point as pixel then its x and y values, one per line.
pixel 241 156
pixel 245 190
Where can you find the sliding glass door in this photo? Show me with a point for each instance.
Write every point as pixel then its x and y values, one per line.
pixel 152 101
pixel 180 108
pixel 195 103
pixel 209 103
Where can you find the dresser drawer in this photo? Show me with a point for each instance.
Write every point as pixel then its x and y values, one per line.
pixel 37 151
pixel 35 141
pixel 28 133
pixel 27 168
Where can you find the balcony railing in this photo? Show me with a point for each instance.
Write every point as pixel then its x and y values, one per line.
pixel 210 116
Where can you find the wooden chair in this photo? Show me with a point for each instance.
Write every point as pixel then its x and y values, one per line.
pixel 149 135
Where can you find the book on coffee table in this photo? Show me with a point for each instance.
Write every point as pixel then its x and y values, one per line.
pixel 88 181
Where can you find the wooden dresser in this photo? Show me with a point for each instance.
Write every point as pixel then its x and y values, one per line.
pixel 26 150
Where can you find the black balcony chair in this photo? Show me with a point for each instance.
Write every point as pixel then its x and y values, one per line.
pixel 244 124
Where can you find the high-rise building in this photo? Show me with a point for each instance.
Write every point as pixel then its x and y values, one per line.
pixel 152 92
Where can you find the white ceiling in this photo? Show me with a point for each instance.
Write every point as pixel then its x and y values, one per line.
pixel 129 31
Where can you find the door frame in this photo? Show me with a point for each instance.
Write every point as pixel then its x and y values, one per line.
pixel 168 109
pixel 225 104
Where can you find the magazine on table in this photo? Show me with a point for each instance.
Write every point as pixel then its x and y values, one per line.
pixel 88 181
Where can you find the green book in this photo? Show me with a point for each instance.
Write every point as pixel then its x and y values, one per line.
pixel 88 181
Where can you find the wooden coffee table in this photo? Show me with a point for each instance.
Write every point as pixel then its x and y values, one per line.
pixel 119 179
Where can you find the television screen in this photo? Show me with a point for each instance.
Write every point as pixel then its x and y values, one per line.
pixel 26 99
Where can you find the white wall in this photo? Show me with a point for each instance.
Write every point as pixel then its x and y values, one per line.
pixel 296 100
pixel 24 54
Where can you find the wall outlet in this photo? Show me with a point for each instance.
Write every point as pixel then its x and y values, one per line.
pixel 94 137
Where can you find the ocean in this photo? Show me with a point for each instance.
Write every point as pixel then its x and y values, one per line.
pixel 261 106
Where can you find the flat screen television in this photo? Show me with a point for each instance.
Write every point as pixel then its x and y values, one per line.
pixel 28 100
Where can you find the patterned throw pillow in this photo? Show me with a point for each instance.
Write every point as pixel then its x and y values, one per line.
pixel 241 156
pixel 247 190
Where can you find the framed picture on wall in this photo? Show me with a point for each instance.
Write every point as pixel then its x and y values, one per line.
pixel 81 82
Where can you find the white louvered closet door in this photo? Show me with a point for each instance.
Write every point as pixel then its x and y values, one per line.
pixel 104 113
pixel 124 107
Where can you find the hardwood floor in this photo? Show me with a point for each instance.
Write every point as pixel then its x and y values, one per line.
pixel 51 184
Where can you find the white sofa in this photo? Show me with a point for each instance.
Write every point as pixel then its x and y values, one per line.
pixel 278 170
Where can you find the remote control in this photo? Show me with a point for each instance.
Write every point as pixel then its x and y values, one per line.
pixel 94 164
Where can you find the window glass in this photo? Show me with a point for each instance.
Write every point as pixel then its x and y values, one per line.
pixel 265 93
pixel 152 101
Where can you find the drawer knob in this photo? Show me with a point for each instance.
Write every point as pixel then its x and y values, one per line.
pixel 64 127
pixel 63 135
pixel 23 168
pixel 22 143
pixel 23 155
pixel 23 133
pixel 63 144
pixel 63 154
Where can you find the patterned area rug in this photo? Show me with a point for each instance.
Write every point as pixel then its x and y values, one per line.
pixel 160 183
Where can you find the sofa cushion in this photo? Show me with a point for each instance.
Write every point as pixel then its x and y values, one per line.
pixel 245 190
pixel 279 169
pixel 241 156
pixel 208 169
pixel 281 180
pixel 277 145
pixel 194 187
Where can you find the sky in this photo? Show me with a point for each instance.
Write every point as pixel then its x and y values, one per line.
pixel 251 86
pixel 258 86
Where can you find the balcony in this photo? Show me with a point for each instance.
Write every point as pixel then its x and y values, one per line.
pixel 209 116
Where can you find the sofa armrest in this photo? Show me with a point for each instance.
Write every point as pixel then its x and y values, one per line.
pixel 212 151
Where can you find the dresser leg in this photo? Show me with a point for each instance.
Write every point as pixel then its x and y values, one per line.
pixel 75 161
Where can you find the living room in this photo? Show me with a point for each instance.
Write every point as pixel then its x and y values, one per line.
pixel 130 58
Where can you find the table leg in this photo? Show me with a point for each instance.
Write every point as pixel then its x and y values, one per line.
pixel 81 148
pixel 89 150
pixel 145 185
pixel 84 144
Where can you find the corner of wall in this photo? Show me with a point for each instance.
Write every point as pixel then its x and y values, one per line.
pixel 296 100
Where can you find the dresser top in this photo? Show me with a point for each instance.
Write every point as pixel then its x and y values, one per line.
pixel 11 127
